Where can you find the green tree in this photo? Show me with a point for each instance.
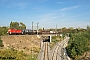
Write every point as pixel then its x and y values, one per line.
pixel 22 26
pixel 64 29
pixel 17 25
pixel 71 28
pixel 14 25
pixel 88 29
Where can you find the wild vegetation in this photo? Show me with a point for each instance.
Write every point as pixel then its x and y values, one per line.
pixel 3 30
pixel 1 44
pixel 55 39
pixel 12 54
pixel 78 44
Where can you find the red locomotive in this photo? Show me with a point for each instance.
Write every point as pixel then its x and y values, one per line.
pixel 14 31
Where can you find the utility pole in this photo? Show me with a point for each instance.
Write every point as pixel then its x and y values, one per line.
pixel 56 28
pixel 32 26
pixel 37 28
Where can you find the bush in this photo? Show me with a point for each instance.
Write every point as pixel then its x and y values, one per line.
pixel 1 44
pixel 13 54
pixel 3 30
pixel 77 45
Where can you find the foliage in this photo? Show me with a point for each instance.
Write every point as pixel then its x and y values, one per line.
pixel 32 57
pixel 22 26
pixel 78 44
pixel 1 44
pixel 54 40
pixel 12 54
pixel 3 30
pixel 88 29
pixel 17 25
pixel 14 25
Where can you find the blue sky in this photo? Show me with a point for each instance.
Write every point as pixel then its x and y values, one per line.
pixel 64 13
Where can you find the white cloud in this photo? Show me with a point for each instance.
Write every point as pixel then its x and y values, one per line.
pixel 68 8
pixel 60 2
pixel 21 5
pixel 11 3
pixel 60 18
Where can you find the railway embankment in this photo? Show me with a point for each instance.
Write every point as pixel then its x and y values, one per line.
pixel 22 42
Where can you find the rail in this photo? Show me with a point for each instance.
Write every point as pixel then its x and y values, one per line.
pixel 44 53
pixel 59 52
pixel 54 55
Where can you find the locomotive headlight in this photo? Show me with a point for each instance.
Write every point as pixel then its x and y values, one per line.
pixel 9 30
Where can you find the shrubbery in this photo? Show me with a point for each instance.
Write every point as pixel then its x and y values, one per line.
pixel 12 54
pixel 3 30
pixel 1 44
pixel 78 44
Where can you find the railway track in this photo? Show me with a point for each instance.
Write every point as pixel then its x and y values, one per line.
pixel 58 51
pixel 46 55
pixel 54 55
